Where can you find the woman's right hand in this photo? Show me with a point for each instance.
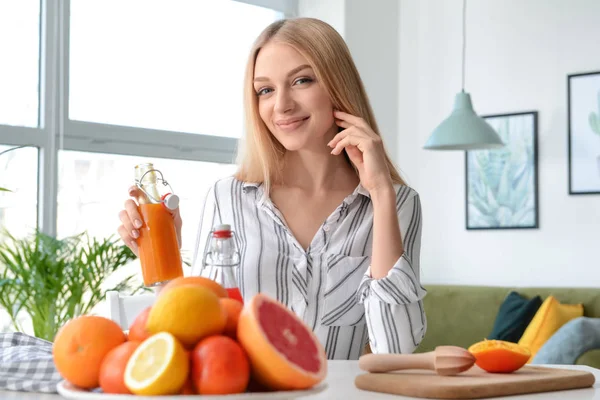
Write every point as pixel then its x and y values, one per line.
pixel 131 221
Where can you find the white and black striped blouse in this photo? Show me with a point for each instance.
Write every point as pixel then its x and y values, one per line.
pixel 327 285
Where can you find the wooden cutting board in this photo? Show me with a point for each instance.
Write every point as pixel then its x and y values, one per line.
pixel 474 383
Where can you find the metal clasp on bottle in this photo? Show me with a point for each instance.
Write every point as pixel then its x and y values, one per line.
pixel 170 200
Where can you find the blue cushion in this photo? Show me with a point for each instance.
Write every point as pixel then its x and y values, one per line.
pixel 569 342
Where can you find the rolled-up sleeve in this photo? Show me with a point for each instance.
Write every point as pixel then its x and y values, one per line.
pixel 394 312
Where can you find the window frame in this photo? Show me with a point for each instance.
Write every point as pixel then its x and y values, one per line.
pixel 56 132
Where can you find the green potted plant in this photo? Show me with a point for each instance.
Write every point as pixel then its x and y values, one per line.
pixel 53 280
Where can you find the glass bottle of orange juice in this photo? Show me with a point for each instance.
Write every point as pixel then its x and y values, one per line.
pixel 158 248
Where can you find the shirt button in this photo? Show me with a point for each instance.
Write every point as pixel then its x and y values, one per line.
pixel 326 228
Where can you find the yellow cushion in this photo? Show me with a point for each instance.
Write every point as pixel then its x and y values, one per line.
pixel 549 318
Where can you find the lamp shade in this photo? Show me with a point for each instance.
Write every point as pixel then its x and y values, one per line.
pixel 463 129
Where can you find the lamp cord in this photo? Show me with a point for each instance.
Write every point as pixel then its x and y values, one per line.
pixel 464 42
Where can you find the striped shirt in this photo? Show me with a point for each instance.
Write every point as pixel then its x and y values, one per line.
pixel 327 285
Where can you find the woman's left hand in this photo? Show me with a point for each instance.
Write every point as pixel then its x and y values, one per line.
pixel 364 148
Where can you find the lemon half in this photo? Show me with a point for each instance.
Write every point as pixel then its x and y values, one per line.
pixel 158 366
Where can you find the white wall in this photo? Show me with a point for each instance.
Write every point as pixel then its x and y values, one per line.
pixel 371 31
pixel 519 53
pixel 331 11
pixel 363 24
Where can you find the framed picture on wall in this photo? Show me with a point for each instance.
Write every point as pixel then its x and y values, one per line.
pixel 583 91
pixel 502 184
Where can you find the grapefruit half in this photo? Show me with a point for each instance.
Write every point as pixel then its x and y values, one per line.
pixel 284 353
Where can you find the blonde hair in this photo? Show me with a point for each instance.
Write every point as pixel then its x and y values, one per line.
pixel 260 155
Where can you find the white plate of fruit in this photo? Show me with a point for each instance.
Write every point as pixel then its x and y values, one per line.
pixel 194 342
pixel 71 392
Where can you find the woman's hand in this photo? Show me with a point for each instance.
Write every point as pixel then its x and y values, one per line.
pixel 364 148
pixel 131 221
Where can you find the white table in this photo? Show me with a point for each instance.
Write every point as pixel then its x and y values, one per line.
pixel 340 380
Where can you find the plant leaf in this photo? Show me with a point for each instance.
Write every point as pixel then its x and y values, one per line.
pixel 54 280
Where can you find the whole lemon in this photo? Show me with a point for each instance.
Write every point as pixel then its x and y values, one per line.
pixel 189 313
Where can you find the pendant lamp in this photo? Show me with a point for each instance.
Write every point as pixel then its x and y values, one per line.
pixel 463 129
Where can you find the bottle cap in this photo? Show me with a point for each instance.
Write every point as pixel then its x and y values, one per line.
pixel 171 201
pixel 222 231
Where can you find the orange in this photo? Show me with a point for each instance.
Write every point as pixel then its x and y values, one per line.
pixel 188 386
pixel 196 281
pixel 220 366
pixel 113 366
pixel 233 309
pixel 80 346
pixel 188 312
pixel 284 353
pixel 499 356
pixel 137 330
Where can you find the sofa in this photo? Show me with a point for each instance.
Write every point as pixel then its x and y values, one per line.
pixel 462 315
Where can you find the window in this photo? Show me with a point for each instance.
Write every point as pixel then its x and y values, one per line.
pixel 19 174
pixel 19 67
pixel 93 86
pixel 93 187
pixel 176 67
pixel 90 88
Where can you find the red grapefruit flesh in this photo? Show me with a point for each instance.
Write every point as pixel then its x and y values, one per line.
pixel 284 353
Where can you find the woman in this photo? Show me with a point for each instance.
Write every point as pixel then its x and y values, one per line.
pixel 325 223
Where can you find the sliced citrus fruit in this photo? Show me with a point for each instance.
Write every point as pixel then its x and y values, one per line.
pixel 499 355
pixel 158 366
pixel 284 353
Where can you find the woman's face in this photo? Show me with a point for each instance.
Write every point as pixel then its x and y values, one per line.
pixel 291 102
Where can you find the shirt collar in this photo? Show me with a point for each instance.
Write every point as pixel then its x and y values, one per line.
pixel 360 189
pixel 254 185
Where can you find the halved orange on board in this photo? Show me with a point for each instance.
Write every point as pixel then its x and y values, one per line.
pixel 499 355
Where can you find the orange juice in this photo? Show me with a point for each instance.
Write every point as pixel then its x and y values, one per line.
pixel 158 247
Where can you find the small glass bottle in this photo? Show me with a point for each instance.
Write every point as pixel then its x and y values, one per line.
pixel 222 255
pixel 158 247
